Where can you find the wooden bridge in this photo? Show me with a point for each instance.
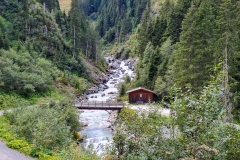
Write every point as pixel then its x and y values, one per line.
pixel 100 105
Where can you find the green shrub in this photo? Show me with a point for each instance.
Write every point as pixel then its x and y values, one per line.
pixel 12 100
pixel 20 145
pixel 22 73
pixel 12 141
pixel 76 152
pixel 49 127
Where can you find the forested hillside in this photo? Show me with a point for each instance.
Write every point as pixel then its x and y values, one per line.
pixel 39 31
pixel 115 20
pixel 188 52
pixel 189 55
pixel 182 43
pixel 45 56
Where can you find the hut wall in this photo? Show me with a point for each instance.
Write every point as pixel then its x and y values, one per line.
pixel 140 96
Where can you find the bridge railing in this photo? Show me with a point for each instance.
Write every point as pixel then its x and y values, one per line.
pixel 100 104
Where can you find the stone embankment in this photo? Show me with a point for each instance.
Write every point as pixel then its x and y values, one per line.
pixel 112 119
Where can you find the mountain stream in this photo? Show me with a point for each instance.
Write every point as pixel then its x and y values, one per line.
pixel 97 130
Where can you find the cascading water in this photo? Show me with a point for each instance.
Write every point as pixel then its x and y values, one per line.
pixel 97 130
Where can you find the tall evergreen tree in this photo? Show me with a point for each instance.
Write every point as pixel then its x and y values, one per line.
pixel 78 28
pixel 227 48
pixel 194 53
pixel 143 31
pixel 158 31
pixel 177 15
pixel 155 60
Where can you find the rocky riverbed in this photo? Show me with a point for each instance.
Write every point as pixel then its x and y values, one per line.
pixel 117 70
pixel 98 125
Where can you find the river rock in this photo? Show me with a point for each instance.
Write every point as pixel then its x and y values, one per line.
pixel 118 61
pixel 112 117
pixel 85 124
pixel 109 71
pixel 114 65
pixel 116 76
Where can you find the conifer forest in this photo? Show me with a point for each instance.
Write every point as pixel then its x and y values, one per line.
pixel 187 52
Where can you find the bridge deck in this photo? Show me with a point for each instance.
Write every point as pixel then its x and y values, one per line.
pixel 100 105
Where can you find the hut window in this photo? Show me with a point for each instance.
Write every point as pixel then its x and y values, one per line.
pixel 140 95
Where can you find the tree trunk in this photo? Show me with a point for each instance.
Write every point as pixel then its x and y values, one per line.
pixel 226 96
pixel 44 7
pixel 96 54
pixel 74 41
pixel 87 50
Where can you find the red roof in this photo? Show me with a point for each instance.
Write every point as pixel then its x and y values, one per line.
pixel 139 88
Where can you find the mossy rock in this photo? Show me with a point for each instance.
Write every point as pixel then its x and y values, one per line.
pixel 78 136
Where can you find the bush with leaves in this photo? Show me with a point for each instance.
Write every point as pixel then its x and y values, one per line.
pixel 50 127
pixel 196 129
pixel 22 73
pixel 12 100
pixel 140 136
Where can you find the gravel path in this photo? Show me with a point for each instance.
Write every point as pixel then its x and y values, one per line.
pixel 1 113
pixel 146 107
pixel 9 154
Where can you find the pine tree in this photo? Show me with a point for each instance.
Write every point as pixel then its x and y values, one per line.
pixel 142 35
pixel 227 42
pixel 177 15
pixel 78 28
pixel 194 53
pixel 155 60
pixel 158 31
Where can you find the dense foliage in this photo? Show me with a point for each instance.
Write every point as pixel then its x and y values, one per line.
pixel 177 41
pixel 21 73
pixel 42 55
pixel 182 42
pixel 115 19
pixel 195 129
pixel 61 120
pixel 47 132
pixel 40 26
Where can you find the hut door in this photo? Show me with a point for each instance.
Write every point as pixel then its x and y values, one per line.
pixel 140 97
pixel 144 98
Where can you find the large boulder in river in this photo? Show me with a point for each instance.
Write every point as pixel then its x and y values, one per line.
pixel 115 75
pixel 114 65
pixel 118 61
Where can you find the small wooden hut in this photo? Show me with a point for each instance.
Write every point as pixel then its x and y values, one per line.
pixel 140 95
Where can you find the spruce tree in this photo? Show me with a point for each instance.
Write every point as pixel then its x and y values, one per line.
pixel 78 28
pixel 155 60
pixel 177 15
pixel 158 31
pixel 227 49
pixel 142 35
pixel 194 53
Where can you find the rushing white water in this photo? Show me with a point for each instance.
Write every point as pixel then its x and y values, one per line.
pixel 97 131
